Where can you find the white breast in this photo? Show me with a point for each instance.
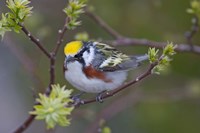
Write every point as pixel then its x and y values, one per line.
pixel 76 77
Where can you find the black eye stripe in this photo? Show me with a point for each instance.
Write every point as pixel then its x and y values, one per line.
pixel 80 54
pixel 79 57
pixel 88 50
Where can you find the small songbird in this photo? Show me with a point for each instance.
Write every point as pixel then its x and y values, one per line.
pixel 96 67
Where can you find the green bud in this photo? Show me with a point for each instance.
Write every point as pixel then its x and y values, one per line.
pixel 53 108
pixel 162 61
pixel 169 49
pixel 195 8
pixel 153 54
pixel 73 12
pixel 19 10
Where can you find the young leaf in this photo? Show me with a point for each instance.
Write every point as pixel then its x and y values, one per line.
pixel 53 108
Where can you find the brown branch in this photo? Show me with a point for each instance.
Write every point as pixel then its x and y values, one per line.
pixel 194 29
pixel 103 24
pixel 149 43
pixel 52 73
pixel 61 33
pixel 120 40
pixel 35 41
pixel 25 124
pixel 30 119
pixel 54 54
pixel 52 57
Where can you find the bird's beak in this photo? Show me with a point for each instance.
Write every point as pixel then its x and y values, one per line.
pixel 69 59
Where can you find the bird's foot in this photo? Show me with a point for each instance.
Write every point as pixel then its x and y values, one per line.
pixel 99 97
pixel 76 98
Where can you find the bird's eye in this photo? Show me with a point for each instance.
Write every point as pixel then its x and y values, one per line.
pixel 75 56
pixel 78 57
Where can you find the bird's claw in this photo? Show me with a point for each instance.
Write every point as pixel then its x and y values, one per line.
pixel 77 100
pixel 99 97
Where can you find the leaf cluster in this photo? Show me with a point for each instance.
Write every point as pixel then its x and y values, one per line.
pixel 53 108
pixel 163 60
pixel 73 12
pixel 19 10
pixel 195 8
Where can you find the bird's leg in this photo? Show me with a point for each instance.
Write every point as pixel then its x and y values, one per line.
pixel 76 98
pixel 99 96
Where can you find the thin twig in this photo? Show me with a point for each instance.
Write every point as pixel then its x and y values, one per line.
pixel 103 24
pixel 149 43
pixel 121 40
pixel 60 37
pixel 35 41
pixel 30 119
pixel 54 54
pixel 52 74
pixel 52 57
pixel 25 124
pixel 194 29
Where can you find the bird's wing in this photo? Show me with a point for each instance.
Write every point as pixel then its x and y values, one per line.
pixel 113 60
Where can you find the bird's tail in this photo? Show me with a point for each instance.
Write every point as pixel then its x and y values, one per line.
pixel 141 58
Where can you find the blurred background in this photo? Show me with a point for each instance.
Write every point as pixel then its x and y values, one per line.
pixel 166 103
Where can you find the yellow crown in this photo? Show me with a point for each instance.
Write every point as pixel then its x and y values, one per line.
pixel 73 47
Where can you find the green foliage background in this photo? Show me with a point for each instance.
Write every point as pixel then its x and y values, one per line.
pixel 159 20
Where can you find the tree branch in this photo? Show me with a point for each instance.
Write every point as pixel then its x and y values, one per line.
pixel 194 29
pixel 30 119
pixel 35 41
pixel 25 124
pixel 61 33
pixel 149 43
pixel 52 57
pixel 54 54
pixel 103 24
pixel 121 40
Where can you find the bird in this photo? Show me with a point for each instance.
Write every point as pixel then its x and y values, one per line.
pixel 95 67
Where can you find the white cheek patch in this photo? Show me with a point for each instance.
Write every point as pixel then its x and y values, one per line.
pixel 88 56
